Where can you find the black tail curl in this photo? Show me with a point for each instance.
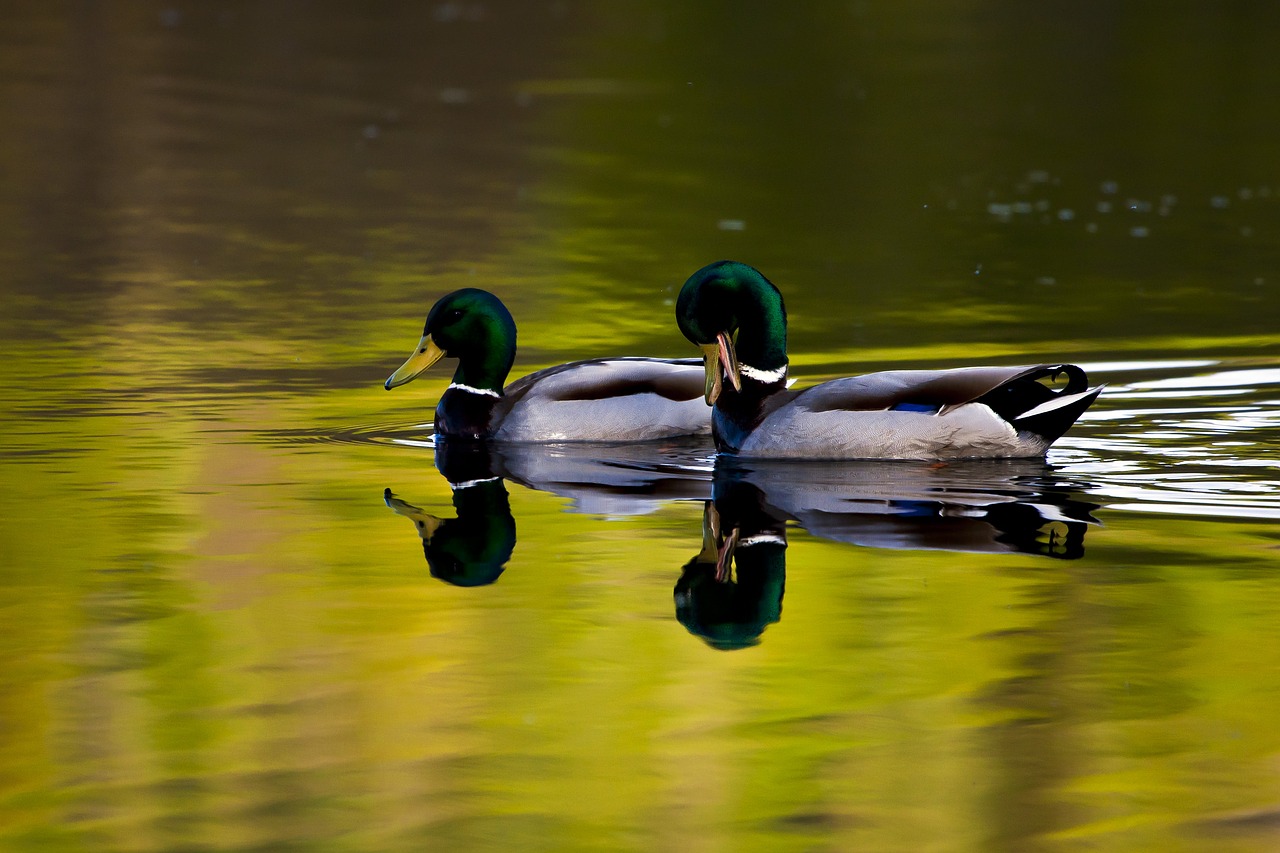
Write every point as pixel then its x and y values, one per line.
pixel 1013 399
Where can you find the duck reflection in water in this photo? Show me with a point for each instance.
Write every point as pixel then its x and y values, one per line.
pixel 732 590
pixel 1010 506
pixel 604 479
pixel 616 479
pixel 473 548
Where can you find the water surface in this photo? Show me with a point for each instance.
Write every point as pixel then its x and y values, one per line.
pixel 244 608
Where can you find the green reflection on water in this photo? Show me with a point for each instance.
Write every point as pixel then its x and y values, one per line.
pixel 902 697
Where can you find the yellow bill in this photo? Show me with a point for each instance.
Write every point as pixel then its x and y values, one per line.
pixel 426 523
pixel 720 359
pixel 710 552
pixel 423 357
pixel 724 562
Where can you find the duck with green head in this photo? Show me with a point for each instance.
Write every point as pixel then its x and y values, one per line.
pixel 737 317
pixel 606 399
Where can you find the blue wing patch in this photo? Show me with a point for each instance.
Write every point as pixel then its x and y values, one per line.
pixel 924 408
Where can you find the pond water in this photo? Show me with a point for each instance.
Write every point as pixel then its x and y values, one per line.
pixel 244 609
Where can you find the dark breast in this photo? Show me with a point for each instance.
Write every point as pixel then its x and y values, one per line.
pixel 465 415
pixel 737 413
pixel 727 432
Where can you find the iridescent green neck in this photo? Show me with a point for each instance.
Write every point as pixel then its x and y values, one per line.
pixel 486 368
pixel 762 327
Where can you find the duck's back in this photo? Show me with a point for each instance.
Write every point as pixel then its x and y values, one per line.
pixel 921 414
pixel 613 399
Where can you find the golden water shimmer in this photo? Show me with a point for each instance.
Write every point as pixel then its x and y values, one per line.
pixel 248 604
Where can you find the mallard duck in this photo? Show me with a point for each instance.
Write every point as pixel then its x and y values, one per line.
pixel 606 399
pixel 737 317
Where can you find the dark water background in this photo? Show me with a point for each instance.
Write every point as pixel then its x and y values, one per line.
pixel 222 223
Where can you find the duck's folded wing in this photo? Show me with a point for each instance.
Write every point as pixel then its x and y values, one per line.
pixel 1010 391
pixel 678 380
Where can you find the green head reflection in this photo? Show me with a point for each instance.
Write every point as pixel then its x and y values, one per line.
pixel 732 589
pixel 471 549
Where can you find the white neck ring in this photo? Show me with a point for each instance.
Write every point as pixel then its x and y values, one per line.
pixel 466 484
pixel 768 377
pixel 761 539
pixel 470 390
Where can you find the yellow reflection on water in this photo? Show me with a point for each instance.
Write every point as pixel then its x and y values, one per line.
pixel 223 225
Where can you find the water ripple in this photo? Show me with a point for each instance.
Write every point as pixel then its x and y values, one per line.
pixel 404 435
pixel 1215 453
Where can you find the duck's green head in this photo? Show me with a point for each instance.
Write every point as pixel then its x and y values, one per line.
pixel 472 326
pixel 736 316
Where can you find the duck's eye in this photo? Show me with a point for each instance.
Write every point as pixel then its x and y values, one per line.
pixel 455 314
